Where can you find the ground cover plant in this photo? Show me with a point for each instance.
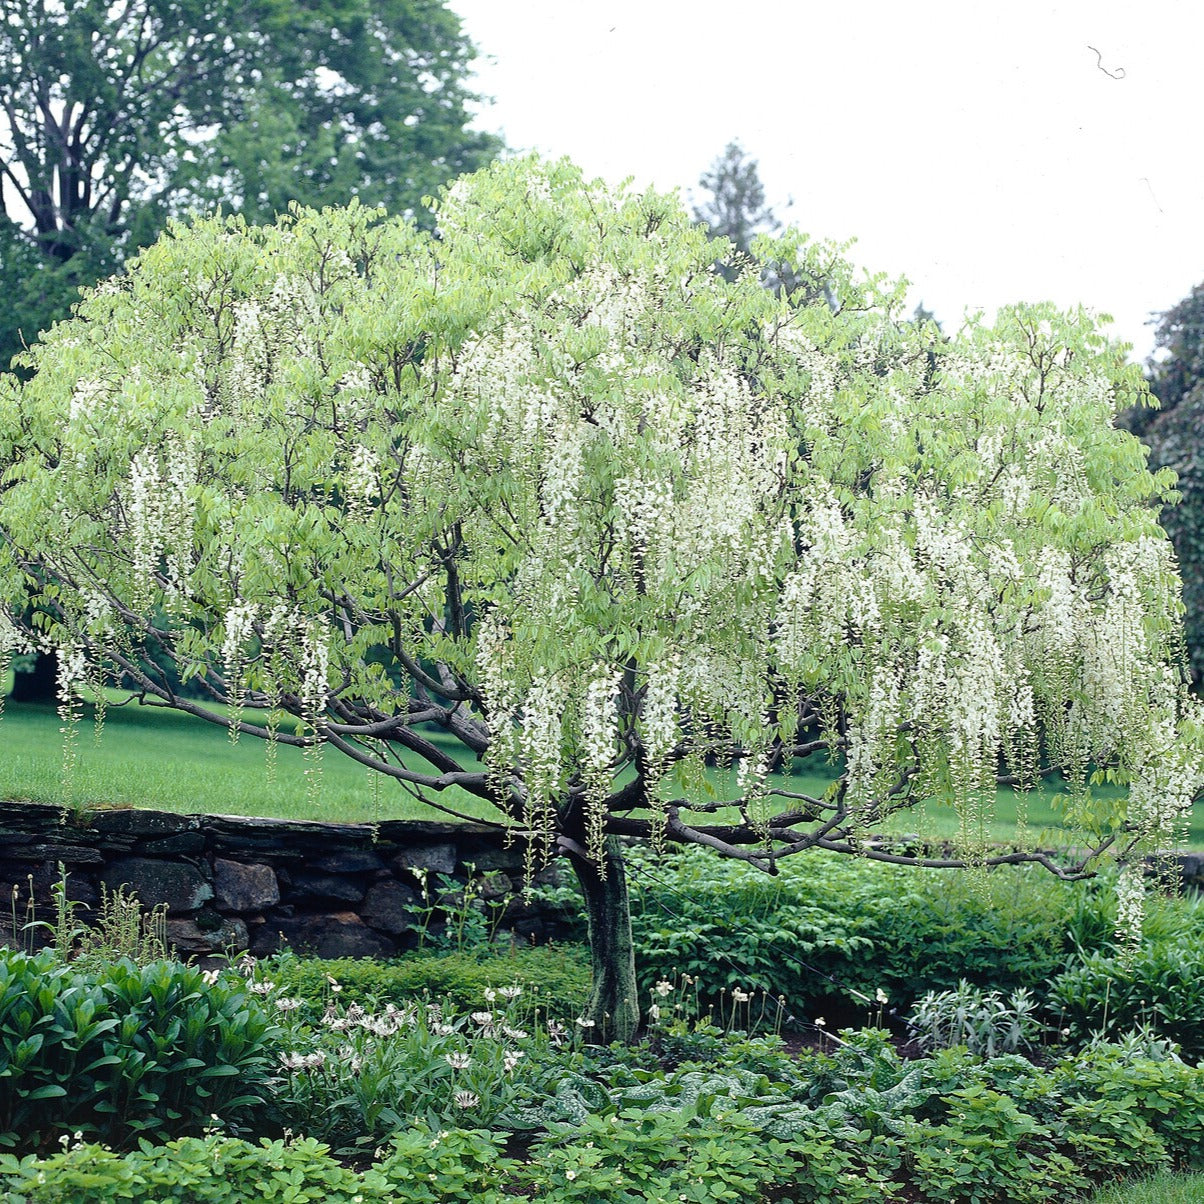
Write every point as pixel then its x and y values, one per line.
pixel 855 942
pixel 419 1103
pixel 471 1075
pixel 545 482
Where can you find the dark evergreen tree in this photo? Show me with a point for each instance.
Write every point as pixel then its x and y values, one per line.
pixel 735 209
pixel 1174 433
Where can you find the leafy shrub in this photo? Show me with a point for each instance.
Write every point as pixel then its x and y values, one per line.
pixel 1165 1093
pixel 725 925
pixel 988 1149
pixel 357 1076
pixel 829 926
pixel 419 1166
pixel 447 1166
pixel 998 930
pixel 951 1070
pixel 209 1170
pixel 1159 986
pixel 1106 1140
pixel 635 1157
pixel 555 978
pixel 983 1021
pixel 121 1050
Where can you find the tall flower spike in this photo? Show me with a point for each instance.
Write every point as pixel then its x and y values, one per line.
pixel 659 732
pixel 599 738
pixel 542 742
pixel 240 627
pixel 145 523
pixel 314 692
pixel 71 674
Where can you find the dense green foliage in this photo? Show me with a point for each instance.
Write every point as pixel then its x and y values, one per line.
pixel 121 1051
pixel 838 930
pixel 503 1098
pixel 422 1167
pixel 829 935
pixel 1159 986
pixel 858 1126
pixel 555 979
pixel 357 1075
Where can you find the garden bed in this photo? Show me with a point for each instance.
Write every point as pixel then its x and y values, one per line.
pixel 416 1102
pixel 464 1074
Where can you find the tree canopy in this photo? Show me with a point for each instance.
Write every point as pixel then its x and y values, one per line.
pixel 115 116
pixel 735 206
pixel 736 214
pixel 547 483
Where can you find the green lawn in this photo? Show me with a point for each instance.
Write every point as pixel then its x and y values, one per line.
pixel 1161 1189
pixel 153 757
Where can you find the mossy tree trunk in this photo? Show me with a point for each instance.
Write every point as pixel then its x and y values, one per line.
pixel 614 1000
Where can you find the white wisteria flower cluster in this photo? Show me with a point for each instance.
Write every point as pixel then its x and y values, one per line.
pixel 546 490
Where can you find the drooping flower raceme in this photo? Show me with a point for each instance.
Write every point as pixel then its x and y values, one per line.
pixel 547 491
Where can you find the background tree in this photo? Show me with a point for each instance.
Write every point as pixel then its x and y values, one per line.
pixel 1174 433
pixel 735 210
pixel 115 116
pixel 735 207
pixel 547 513
pixel 355 99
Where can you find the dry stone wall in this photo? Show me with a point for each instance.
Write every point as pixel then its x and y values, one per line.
pixel 232 884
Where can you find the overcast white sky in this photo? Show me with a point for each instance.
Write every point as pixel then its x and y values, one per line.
pixel 983 151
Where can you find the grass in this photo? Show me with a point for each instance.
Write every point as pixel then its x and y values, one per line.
pixel 153 757
pixel 1161 1189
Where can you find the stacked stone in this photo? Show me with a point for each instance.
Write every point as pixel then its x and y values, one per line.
pixel 232 884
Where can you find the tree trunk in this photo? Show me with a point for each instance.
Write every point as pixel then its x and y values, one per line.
pixel 614 1001
pixel 39 684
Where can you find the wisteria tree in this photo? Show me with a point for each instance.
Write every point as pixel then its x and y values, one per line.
pixel 542 509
